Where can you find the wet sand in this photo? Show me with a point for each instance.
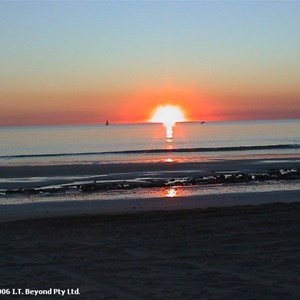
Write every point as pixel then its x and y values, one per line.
pixel 15 177
pixel 117 206
pixel 245 252
pixel 126 169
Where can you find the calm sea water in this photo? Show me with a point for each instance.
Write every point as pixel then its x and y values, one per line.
pixel 146 142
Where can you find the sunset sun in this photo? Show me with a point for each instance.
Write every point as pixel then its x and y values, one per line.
pixel 169 115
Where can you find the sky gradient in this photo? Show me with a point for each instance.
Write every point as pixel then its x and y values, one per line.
pixel 65 62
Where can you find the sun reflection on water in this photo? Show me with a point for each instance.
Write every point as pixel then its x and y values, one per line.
pixel 169 160
pixel 169 146
pixel 171 192
pixel 168 192
pixel 170 142
pixel 169 131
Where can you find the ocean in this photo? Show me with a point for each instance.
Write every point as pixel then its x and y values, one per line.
pixel 128 143
pixel 137 161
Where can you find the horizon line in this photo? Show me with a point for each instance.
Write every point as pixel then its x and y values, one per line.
pixel 144 123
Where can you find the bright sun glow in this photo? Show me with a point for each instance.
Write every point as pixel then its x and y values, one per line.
pixel 168 115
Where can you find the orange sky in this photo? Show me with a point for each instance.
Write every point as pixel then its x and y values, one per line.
pixel 75 62
pixel 138 105
pixel 134 110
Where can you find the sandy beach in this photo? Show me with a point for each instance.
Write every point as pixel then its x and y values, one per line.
pixel 245 252
pixel 226 244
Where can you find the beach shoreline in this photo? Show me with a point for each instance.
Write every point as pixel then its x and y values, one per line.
pixel 132 188
pixel 13 178
pixel 205 167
